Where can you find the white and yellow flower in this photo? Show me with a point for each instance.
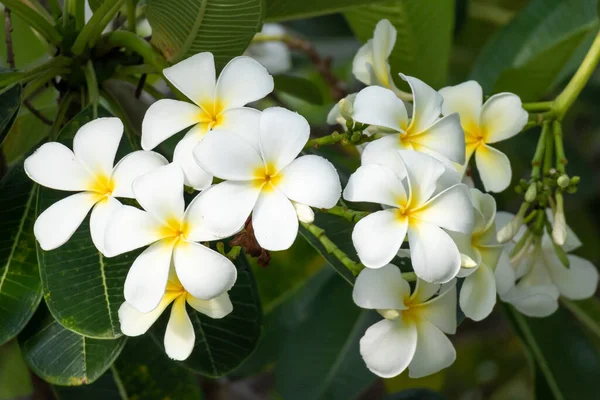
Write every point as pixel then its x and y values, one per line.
pixel 275 56
pixel 265 180
pixel 424 131
pixel 407 184
pixel 412 335
pixel 478 292
pixel 500 118
pixel 172 234
pixel 180 336
pixel 216 104
pixel 88 169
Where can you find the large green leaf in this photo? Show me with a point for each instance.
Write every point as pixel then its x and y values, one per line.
pixel 62 357
pixel 424 37
pixel 10 101
pixel 82 288
pixel 281 10
pixel 566 361
pixel 20 286
pixel 528 54
pixel 321 359
pixel 181 28
pixel 104 388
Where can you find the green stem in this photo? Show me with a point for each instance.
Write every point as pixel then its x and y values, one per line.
pixel 94 27
pixel 55 8
pixel 548 153
pixel 92 86
pixel 63 108
pixel 133 42
pixel 538 107
pixel 536 162
pixel 27 75
pixel 131 17
pixel 568 96
pixel 41 80
pixel 561 160
pixel 336 137
pixel 331 248
pixel 35 20
pixel 79 13
pixel 41 10
pixel 345 212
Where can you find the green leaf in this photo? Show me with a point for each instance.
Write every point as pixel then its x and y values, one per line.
pixel 10 101
pixel 15 379
pixel 181 28
pixel 415 394
pixel 223 344
pixel 104 388
pixel 424 37
pixel 566 361
pixel 82 288
pixel 20 286
pixel 282 10
pixel 298 87
pixel 527 55
pixel 586 311
pixel 321 359
pixel 62 357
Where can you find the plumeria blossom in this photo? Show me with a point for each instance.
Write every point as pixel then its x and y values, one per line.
pixel 500 118
pixel 88 169
pixel 424 131
pixel 172 233
pixel 478 292
pixel 533 279
pixel 265 180
pixel 406 185
pixel 412 335
pixel 179 337
pixel 216 104
pixel 275 56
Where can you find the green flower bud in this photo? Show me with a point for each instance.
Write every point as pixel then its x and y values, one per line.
pixel 563 181
pixel 531 193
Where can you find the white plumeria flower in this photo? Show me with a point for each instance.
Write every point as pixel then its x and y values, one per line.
pixel 478 292
pixel 264 180
pixel 425 131
pixel 216 104
pixel 179 336
pixel 275 56
pixel 534 281
pixel 500 118
pixel 414 206
pixel 172 233
pixel 412 333
pixel 88 169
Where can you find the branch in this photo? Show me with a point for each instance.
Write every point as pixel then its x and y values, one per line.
pixel 10 54
pixel 348 137
pixel 35 20
pixel 36 113
pixel 345 212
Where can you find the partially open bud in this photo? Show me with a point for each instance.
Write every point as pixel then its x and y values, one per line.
pixel 563 181
pixel 346 108
pixel 531 193
pixel 510 230
pixel 466 261
pixel 304 212
pixel 559 227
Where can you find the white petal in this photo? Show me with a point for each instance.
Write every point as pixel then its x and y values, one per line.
pixel 378 236
pixel 203 272
pixel 179 336
pixel 95 144
pixel 578 282
pixel 274 221
pixel 305 213
pixel 389 346
pixel 485 210
pixel 160 192
pixel 283 134
pixel 533 301
pixel 311 180
pixel 423 173
pixel 194 175
pixel 440 310
pixel 434 255
pixel 216 308
pixel 58 222
pixel 423 290
pixel 502 117
pixel 384 151
pixel 99 218
pixel 129 228
pixel 382 288
pixel 198 231
pixel 504 274
pixel 226 207
pixel 464 99
pixel 384 39
pixel 375 184
pixel 132 166
pixel 227 156
pixel 450 209
pixel 434 351
pixel 54 165
pixel 427 104
pixel 147 278
pixel 478 293
pixel 165 118
pixel 444 137
pixel 494 168
pixel 243 80
pixel 135 323
pixel 375 105
pixel 195 77
pixel 244 122
pixel 363 56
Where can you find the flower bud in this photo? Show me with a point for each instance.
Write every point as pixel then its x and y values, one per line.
pixel 510 230
pixel 559 228
pixel 304 212
pixel 466 261
pixel 575 180
pixel 346 108
pixel 531 193
pixel 563 181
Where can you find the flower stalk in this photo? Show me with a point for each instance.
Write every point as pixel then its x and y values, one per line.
pixel 345 212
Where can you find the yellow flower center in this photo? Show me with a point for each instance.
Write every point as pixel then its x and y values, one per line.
pixel 266 177
pixel 474 135
pixel 174 228
pixel 103 185
pixel 211 113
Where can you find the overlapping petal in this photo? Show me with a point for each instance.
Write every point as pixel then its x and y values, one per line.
pixel 54 165
pixel 378 237
pixel 283 134
pixel 379 106
pixel 433 353
pixel 216 308
pixel 135 323
pixel 464 99
pixel 451 209
pixel 423 172
pixel 130 228
pixel 375 184
pixel 478 293
pixel 165 118
pixel 382 288
pixel 243 80
pixel 445 137
pixel 274 221
pixel 160 192
pixel 101 213
pixel 434 255
pixel 502 117
pixel 427 104
pixel 95 144
pixel 311 180
pixel 132 166
pixel 195 77
pixel 194 175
